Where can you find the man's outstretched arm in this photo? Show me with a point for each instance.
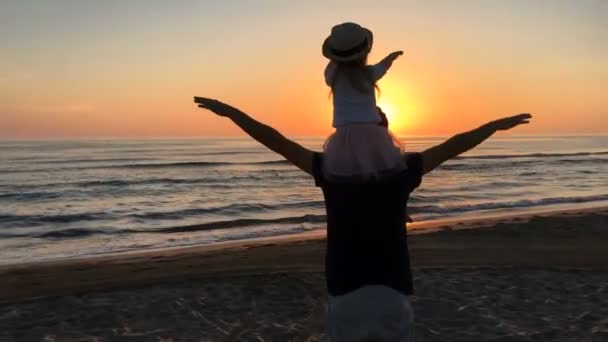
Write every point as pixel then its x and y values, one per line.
pixel 268 136
pixel 460 143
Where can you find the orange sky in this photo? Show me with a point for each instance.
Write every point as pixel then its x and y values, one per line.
pixel 115 69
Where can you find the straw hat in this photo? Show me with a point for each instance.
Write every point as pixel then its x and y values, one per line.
pixel 348 42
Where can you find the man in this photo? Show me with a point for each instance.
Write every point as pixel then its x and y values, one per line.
pixel 367 268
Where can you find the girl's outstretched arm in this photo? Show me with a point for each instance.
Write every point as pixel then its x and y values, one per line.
pixel 382 67
pixel 460 143
pixel 388 60
pixel 268 136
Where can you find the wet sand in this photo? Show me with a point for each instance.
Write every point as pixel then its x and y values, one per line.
pixel 527 278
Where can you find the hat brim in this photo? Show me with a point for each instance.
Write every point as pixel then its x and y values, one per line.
pixel 330 55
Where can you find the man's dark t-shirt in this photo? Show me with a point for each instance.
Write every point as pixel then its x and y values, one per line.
pixel 366 236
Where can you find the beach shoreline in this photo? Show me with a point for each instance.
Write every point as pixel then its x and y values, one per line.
pixel 470 221
pixel 430 242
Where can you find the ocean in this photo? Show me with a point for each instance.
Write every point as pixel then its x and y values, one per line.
pixel 62 199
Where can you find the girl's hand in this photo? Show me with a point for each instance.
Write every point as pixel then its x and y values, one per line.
pixel 216 106
pixel 510 122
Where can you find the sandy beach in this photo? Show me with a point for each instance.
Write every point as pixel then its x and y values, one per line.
pixel 534 277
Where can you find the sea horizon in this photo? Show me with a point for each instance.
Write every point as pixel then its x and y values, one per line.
pixel 295 137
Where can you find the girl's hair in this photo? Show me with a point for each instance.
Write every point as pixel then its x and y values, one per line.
pixel 358 75
pixel 383 118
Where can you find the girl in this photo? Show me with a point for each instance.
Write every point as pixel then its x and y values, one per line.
pixel 361 147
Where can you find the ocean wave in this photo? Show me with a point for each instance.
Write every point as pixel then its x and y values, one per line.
pixel 195 164
pixel 221 180
pixel 34 220
pixel 238 223
pixel 227 209
pixel 29 196
pixel 72 233
pixel 454 209
pixel 227 153
pixel 192 164
pixel 78 233
pixel 67 233
pixel 18 221
pixel 92 160
pixel 533 155
pixel 455 165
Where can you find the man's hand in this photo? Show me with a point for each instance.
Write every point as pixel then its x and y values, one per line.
pixel 460 143
pixel 394 55
pixel 510 122
pixel 217 107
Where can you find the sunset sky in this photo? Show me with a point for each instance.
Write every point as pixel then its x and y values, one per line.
pixel 102 69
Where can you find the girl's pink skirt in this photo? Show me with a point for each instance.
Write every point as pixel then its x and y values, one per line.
pixel 362 151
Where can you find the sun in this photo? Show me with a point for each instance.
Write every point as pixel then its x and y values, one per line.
pixel 400 103
pixel 394 114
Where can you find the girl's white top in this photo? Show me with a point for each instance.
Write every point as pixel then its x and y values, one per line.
pixel 351 105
